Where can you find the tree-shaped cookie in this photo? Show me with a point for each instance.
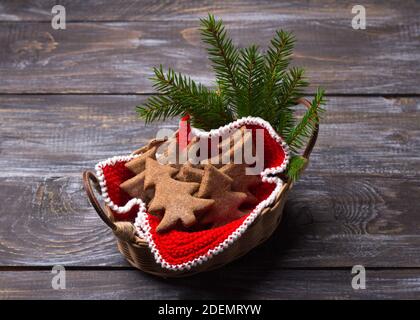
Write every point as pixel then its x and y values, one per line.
pixel 218 186
pixel 173 198
pixel 230 145
pixel 137 165
pixel 135 186
pixel 241 181
pixel 174 154
pixel 190 173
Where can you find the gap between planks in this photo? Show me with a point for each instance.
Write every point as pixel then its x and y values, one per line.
pixel 129 268
pixel 333 95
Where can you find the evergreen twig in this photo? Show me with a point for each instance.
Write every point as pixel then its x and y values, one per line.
pixel 224 57
pixel 295 167
pixel 251 74
pixel 249 83
pixel 277 60
pixel 303 130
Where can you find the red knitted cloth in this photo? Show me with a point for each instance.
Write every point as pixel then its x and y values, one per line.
pixel 114 176
pixel 176 246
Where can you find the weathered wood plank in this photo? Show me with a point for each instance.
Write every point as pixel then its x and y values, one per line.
pixel 117 57
pixel 57 135
pixel 50 133
pixel 47 221
pixel 250 283
pixel 357 203
pixel 149 10
pixel 329 221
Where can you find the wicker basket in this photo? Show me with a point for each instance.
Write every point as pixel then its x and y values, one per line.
pixel 139 255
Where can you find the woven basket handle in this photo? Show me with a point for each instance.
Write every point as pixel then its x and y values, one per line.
pixel 89 178
pixel 122 229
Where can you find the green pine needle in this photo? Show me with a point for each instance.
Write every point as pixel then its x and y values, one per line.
pixel 251 79
pixel 249 83
pixel 295 167
pixel 181 95
pixel 277 58
pixel 224 57
pixel 303 130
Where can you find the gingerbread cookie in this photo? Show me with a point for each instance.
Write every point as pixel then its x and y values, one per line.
pixel 137 165
pixel 135 187
pixel 229 146
pixel 152 143
pixel 241 181
pixel 218 186
pixel 173 198
pixel 174 155
pixel 189 173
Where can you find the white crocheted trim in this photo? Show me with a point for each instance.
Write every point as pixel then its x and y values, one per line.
pixel 252 121
pixel 104 189
pixel 142 222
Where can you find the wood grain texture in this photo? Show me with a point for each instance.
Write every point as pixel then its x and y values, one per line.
pixel 220 284
pixel 47 134
pixel 357 203
pixel 328 222
pixel 52 135
pixel 149 10
pixel 117 57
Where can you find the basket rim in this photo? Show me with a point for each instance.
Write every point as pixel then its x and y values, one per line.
pixel 142 221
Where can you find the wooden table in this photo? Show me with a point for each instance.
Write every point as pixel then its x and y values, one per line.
pixel 67 100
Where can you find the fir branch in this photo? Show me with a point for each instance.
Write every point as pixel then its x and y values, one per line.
pixel 158 108
pixel 292 86
pixel 291 90
pixel 277 60
pixel 224 56
pixel 251 76
pixel 249 83
pixel 295 167
pixel 181 95
pixel 303 130
pixel 284 121
pixel 280 51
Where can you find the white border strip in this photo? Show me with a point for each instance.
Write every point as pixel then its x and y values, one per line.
pixel 104 189
pixel 252 121
pixel 142 222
